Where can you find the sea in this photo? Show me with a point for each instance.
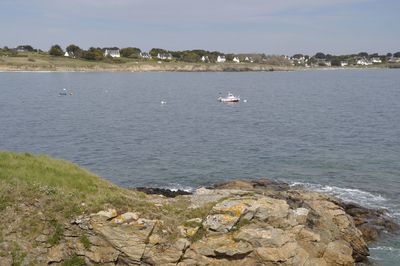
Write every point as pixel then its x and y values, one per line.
pixel 334 131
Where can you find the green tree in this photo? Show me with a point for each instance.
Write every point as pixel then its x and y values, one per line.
pixel 74 50
pixel 155 51
pixel 56 50
pixel 363 54
pixel 335 61
pixel 28 48
pixel 130 52
pixel 320 55
pixel 297 56
pixel 93 54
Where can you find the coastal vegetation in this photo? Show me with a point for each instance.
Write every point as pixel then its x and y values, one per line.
pixel 74 58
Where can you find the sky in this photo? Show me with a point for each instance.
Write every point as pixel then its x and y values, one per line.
pixel 230 26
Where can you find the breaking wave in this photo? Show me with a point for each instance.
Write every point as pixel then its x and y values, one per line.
pixel 361 197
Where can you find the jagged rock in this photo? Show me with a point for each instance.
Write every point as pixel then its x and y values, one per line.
pixel 338 253
pixel 109 214
pixel 6 261
pixel 166 255
pixel 163 191
pixel 257 184
pixel 370 222
pixel 203 196
pixel 129 239
pixel 278 254
pixel 41 238
pixel 126 218
pixel 270 210
pixel 56 253
pixel 263 237
pixel 220 247
pixel 102 254
pixel 226 214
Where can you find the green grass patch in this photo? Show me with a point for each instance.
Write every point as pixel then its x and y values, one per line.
pixel 57 235
pixel 74 260
pixel 17 255
pixel 85 241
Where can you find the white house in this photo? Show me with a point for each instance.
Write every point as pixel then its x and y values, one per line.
pixel 145 55
pixel 376 60
pixel 248 59
pixel 204 59
pixel 363 62
pixel 344 63
pixel 236 59
pixel 221 59
pixel 112 52
pixel 164 56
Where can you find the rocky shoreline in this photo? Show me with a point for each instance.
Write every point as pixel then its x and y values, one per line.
pixel 259 222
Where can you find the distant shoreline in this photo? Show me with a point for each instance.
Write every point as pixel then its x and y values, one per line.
pixel 165 67
pixel 150 67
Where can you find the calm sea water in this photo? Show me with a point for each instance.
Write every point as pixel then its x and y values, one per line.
pixel 333 131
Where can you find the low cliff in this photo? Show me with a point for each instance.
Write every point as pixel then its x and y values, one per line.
pixel 56 213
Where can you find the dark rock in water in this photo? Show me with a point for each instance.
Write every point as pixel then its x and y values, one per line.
pixel 370 222
pixel 163 191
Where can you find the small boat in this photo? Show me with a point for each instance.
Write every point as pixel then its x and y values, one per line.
pixel 229 99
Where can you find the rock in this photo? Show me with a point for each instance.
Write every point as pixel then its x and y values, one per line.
pixel 6 261
pixel 163 191
pixel 256 184
pixel 203 196
pixel 222 247
pixel 338 253
pixel 273 211
pixel 102 254
pixel 263 237
pixel 300 215
pixel 166 255
pixel 56 253
pixel 125 218
pixel 371 222
pixel 223 216
pixel 278 255
pixel 109 214
pixel 235 184
pixel 41 238
pixel 129 239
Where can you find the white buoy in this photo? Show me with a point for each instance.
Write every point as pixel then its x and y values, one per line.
pixel 245 101
pixel 163 102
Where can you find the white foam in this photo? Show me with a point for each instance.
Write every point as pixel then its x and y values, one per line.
pixel 385 248
pixel 176 187
pixel 364 198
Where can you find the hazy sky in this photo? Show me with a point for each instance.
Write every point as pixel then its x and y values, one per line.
pixel 272 27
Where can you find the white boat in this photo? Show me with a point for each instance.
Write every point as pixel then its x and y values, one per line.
pixel 229 99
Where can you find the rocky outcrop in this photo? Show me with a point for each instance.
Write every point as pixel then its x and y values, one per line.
pixel 237 223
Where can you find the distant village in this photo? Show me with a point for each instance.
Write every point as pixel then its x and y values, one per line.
pixel 201 56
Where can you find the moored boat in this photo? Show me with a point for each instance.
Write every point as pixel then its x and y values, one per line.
pixel 229 99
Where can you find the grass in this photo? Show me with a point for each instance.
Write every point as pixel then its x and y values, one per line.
pixel 17 255
pixel 85 241
pixel 74 260
pixel 63 185
pixel 55 238
pixel 60 190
